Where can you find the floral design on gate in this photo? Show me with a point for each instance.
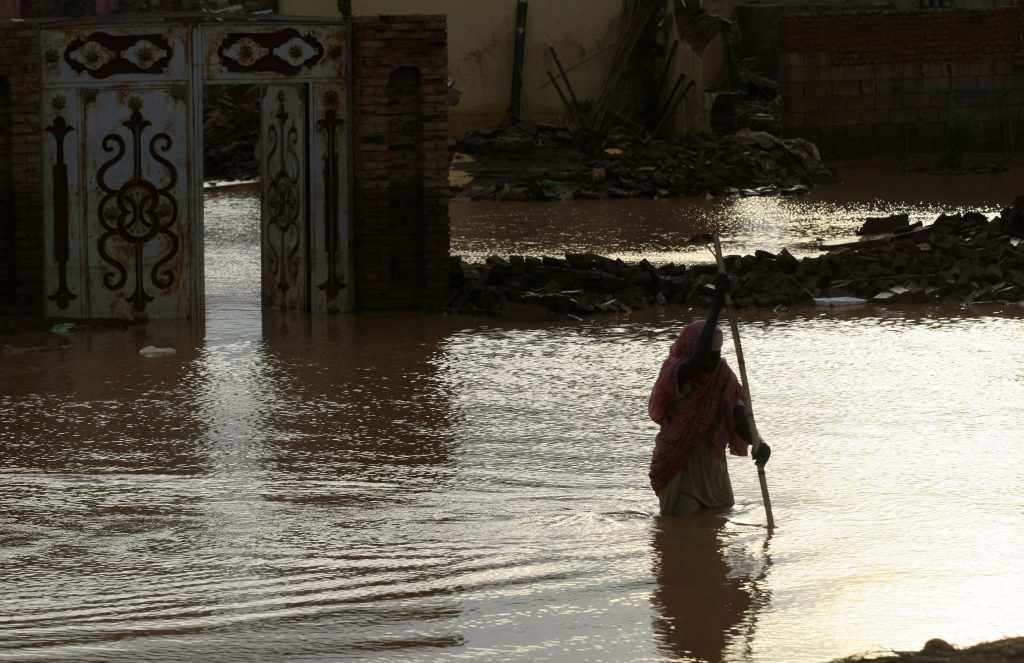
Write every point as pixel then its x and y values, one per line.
pixel 138 213
pixel 101 55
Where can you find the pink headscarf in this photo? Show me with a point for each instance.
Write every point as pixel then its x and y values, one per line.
pixel 705 416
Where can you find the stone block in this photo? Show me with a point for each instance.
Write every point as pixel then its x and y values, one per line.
pixel 802 104
pixel 981 68
pixel 817 89
pixel 858 72
pixel 845 88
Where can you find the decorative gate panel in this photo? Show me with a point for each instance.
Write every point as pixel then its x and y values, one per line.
pixel 303 150
pixel 116 55
pixel 330 261
pixel 65 250
pixel 122 197
pixel 284 219
pixel 250 52
pixel 137 201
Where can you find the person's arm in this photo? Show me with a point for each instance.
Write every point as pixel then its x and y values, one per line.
pixel 763 452
pixel 702 353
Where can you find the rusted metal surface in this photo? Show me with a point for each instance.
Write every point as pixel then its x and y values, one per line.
pixel 61 188
pixel 115 54
pixel 284 224
pixel 139 221
pixel 121 192
pixel 329 246
pixel 248 52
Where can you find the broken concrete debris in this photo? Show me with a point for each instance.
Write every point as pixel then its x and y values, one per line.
pixel 894 223
pixel 231 126
pixel 967 258
pixel 544 162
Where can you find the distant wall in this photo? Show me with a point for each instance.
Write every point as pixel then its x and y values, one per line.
pixel 883 82
pixel 759 26
pixel 481 41
pixel 759 23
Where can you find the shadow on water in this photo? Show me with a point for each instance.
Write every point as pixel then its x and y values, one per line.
pixel 94 389
pixel 710 587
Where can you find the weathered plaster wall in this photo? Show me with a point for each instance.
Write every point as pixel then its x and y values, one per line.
pixel 401 230
pixel 21 228
pixel 703 61
pixel 883 82
pixel 481 39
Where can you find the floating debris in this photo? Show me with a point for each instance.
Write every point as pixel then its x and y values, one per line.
pixel 152 352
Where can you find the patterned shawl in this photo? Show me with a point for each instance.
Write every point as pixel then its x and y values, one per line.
pixel 706 414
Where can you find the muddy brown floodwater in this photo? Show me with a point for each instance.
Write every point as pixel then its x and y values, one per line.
pixel 431 488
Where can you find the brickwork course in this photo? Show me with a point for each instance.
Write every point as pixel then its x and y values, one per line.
pixel 884 82
pixel 21 227
pixel 402 237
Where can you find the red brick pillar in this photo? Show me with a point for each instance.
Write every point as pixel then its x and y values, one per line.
pixel 21 211
pixel 401 224
pixel 405 186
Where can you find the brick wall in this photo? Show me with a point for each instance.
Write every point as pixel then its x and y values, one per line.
pixel 759 26
pixel 405 185
pixel 401 155
pixel 883 82
pixel 21 223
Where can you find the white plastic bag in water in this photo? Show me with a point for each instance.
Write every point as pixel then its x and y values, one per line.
pixel 151 351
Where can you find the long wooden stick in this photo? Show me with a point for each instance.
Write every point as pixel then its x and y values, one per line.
pixel 582 118
pixel 755 438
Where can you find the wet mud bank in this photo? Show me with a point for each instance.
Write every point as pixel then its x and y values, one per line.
pixel 966 258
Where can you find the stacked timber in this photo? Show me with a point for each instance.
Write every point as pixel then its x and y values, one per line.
pixel 963 258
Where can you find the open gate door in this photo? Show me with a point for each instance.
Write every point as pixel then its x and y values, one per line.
pixel 304 224
pixel 284 223
pixel 305 214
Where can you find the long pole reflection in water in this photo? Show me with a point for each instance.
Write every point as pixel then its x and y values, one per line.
pixel 709 587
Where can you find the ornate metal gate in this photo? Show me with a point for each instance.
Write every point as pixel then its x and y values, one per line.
pixel 122 218
pixel 123 163
pixel 303 164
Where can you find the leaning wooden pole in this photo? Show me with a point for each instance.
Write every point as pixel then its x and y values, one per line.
pixel 756 439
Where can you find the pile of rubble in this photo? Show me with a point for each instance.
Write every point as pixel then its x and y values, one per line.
pixel 967 257
pixel 543 162
pixel 936 650
pixel 231 127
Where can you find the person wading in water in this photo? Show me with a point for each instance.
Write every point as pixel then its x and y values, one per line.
pixel 696 401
